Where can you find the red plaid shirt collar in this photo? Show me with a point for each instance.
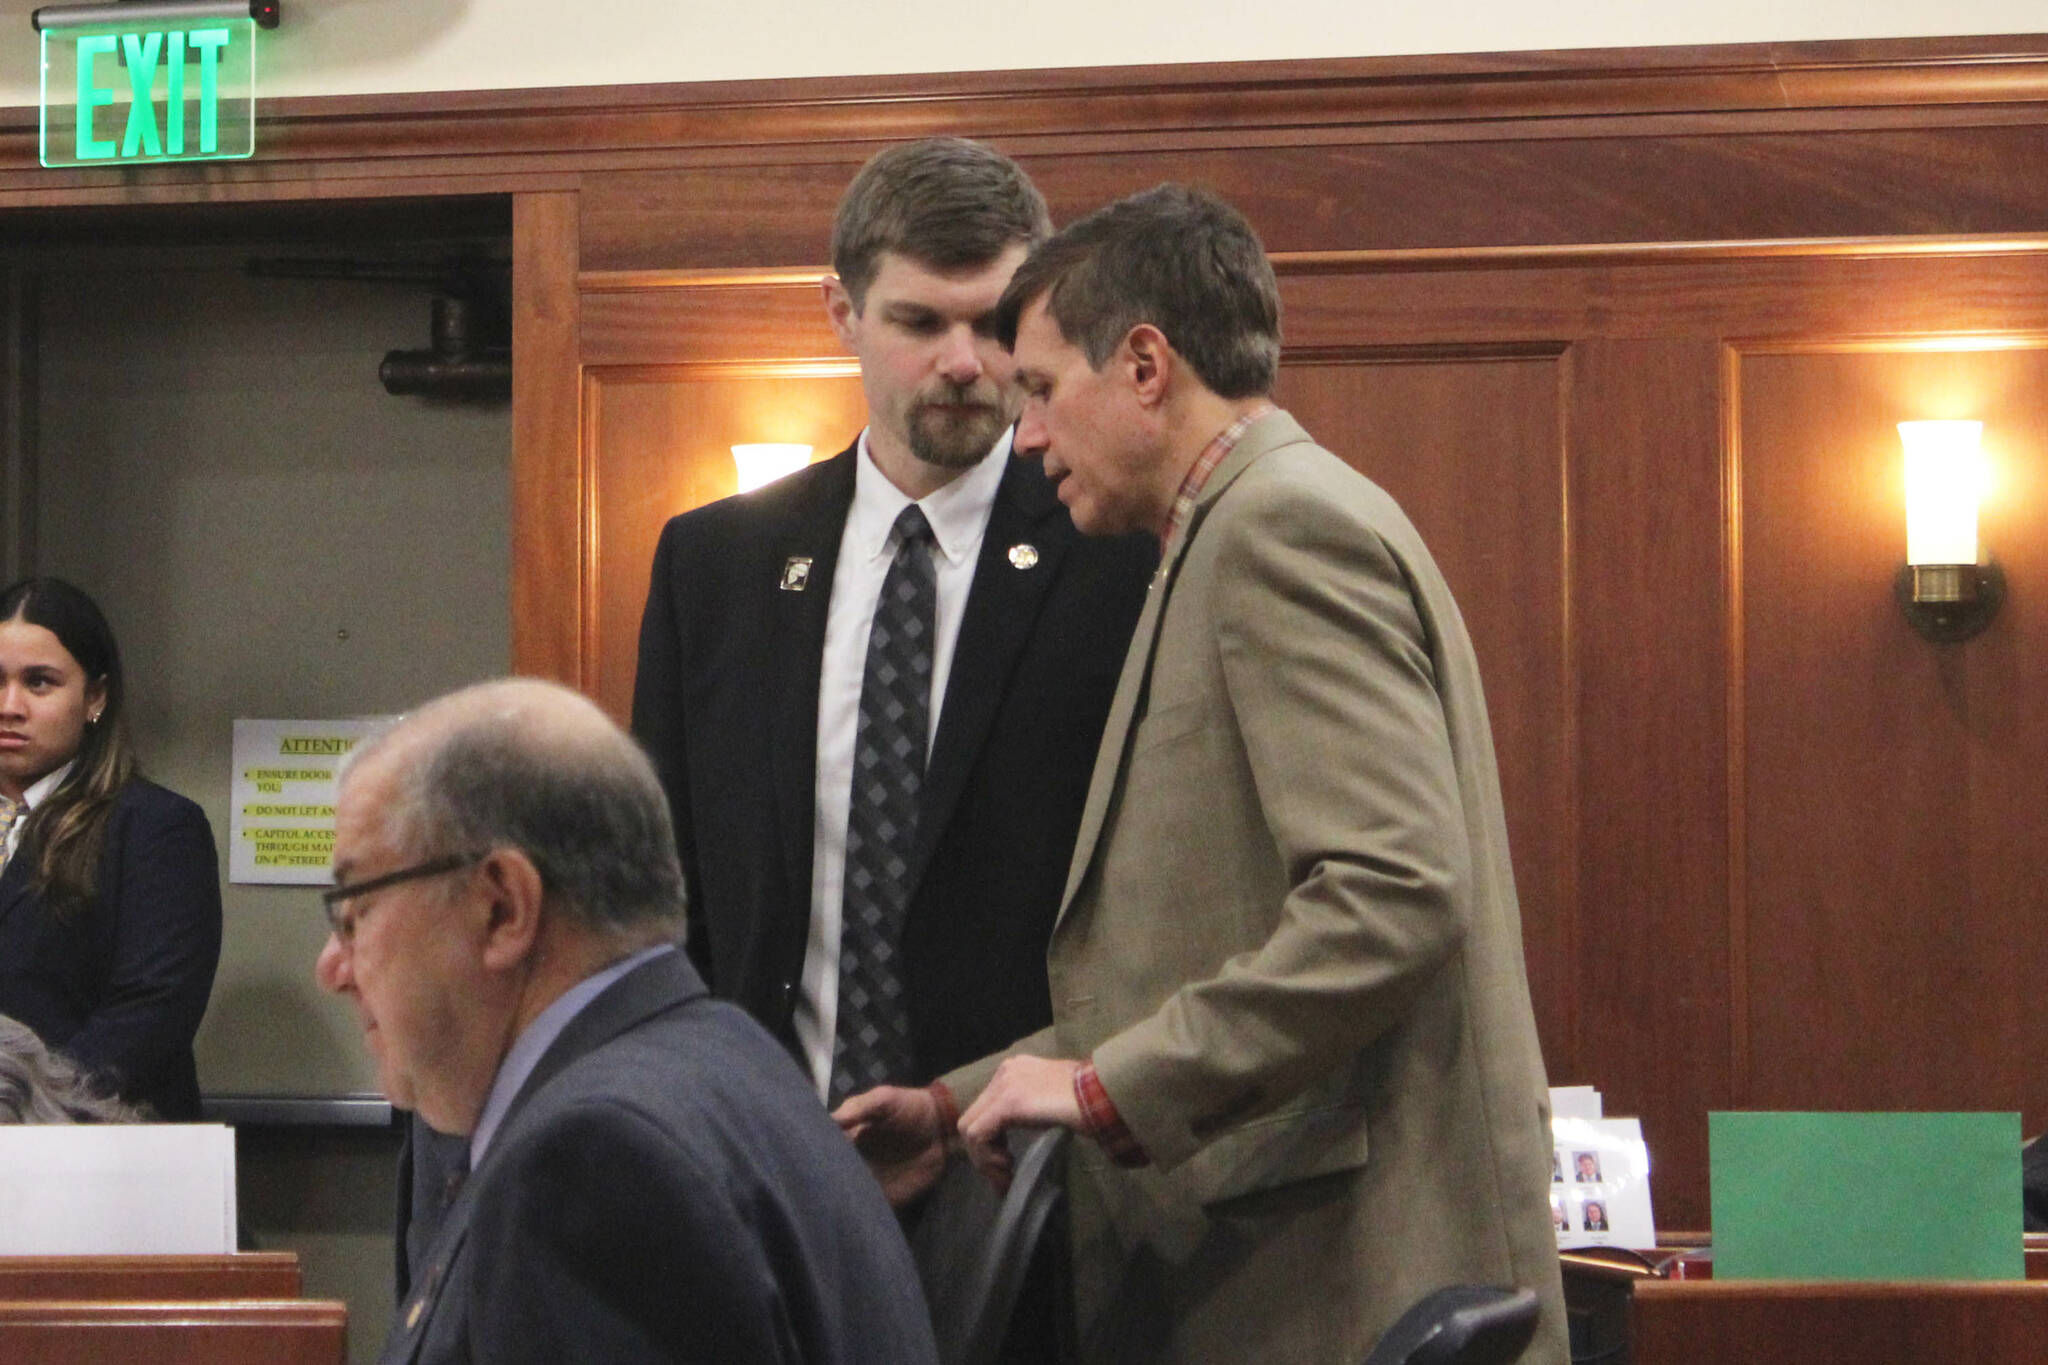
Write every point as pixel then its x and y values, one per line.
pixel 1199 472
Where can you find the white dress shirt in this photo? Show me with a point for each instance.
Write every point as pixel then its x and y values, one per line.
pixel 958 514
pixel 36 793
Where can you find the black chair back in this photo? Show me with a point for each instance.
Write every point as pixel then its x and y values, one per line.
pixel 972 1246
pixel 1461 1324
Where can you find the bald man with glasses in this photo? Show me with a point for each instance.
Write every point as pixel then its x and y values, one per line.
pixel 651 1177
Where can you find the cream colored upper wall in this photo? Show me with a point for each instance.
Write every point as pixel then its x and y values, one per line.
pixel 364 47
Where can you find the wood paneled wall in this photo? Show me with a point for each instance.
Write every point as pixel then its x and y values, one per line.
pixel 1626 333
pixel 1773 848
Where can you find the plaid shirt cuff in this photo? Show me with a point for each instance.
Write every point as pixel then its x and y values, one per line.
pixel 1100 1121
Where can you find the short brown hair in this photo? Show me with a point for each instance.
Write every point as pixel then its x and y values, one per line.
pixel 1178 258
pixel 945 202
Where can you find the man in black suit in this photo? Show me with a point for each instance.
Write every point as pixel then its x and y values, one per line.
pixel 651 1179
pixel 756 650
pixel 751 661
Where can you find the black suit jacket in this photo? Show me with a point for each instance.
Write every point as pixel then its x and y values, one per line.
pixel 121 985
pixel 666 1188
pixel 2034 1184
pixel 726 702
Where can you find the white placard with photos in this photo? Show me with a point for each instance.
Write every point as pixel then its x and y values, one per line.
pixel 1600 1184
pixel 1575 1102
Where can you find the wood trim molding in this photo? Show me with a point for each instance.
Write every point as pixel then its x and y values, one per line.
pixel 2023 339
pixel 1610 254
pixel 766 277
pixel 503 138
pixel 1426 353
pixel 547 476
pixel 1572 930
pixel 668 372
pixel 1737 756
pixel 589 531
pixel 1429 259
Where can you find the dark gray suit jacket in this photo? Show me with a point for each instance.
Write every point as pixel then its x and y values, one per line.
pixel 665 1188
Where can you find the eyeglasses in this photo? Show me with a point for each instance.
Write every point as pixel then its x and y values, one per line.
pixel 344 924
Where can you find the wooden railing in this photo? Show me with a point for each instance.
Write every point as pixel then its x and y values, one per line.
pixel 165 1310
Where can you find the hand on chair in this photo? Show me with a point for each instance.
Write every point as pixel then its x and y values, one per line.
pixel 1026 1092
pixel 902 1133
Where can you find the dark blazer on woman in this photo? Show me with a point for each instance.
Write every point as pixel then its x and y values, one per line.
pixel 120 984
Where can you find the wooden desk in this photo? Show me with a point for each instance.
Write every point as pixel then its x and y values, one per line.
pixel 1778 1322
pixel 245 1275
pixel 1629 1315
pixel 238 1332
pixel 1689 1255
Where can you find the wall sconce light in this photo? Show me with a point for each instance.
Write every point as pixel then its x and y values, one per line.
pixel 762 463
pixel 1946 594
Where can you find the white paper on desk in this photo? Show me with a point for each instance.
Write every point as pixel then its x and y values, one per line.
pixel 117 1189
pixel 1600 1184
pixel 1574 1102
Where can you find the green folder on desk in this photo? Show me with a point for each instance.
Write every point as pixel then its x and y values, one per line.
pixel 1866 1196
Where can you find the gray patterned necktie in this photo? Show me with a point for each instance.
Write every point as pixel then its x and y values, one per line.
pixel 10 812
pixel 871 1043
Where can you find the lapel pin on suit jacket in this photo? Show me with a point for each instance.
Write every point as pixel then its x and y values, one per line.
pixel 1023 556
pixel 796 573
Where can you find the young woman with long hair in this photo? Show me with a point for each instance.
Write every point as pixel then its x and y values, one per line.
pixel 110 890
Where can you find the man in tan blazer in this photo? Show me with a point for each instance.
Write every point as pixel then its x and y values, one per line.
pixel 1289 1000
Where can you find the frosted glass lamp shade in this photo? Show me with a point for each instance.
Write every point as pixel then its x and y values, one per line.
pixel 762 463
pixel 1944 483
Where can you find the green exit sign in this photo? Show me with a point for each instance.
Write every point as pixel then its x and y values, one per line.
pixel 135 94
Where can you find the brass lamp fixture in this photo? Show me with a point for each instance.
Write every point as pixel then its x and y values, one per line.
pixel 1946 594
pixel 761 463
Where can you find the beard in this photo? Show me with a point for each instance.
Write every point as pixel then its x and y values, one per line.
pixel 955 426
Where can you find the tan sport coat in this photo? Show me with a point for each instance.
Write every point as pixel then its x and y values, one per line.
pixel 1290 943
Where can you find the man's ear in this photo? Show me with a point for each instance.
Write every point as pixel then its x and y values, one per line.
pixel 511 885
pixel 840 310
pixel 1149 360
